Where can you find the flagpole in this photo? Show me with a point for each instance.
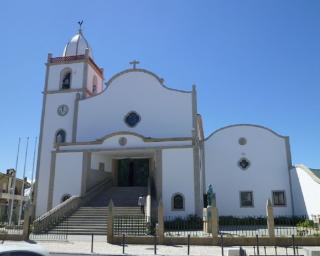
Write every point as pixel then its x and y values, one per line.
pixel 33 168
pixel 22 187
pixel 13 186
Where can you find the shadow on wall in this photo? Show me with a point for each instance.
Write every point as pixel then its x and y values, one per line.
pixel 299 203
pixel 94 177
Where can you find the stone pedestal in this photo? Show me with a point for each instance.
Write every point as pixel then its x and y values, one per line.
pixel 214 222
pixel 160 223
pixel 211 220
pixel 270 219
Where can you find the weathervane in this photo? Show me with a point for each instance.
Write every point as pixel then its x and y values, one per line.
pixel 134 63
pixel 80 24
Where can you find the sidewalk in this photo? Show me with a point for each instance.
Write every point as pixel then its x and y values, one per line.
pixel 82 245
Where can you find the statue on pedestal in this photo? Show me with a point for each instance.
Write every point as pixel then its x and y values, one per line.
pixel 211 197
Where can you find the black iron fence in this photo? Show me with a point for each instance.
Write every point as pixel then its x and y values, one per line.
pixel 11 229
pixel 184 226
pixel 243 226
pixel 55 228
pixel 297 226
pixel 133 225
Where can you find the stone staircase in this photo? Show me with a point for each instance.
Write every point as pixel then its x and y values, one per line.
pixel 121 196
pixel 92 218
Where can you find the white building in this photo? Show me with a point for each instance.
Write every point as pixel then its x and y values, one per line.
pixel 133 129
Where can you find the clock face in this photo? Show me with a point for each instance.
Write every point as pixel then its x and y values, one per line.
pixel 62 110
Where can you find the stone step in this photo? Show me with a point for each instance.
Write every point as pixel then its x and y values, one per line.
pixel 80 232
pixel 67 229
pixel 78 224
pixel 92 218
pixel 96 233
pixel 128 213
pixel 89 214
pixel 87 218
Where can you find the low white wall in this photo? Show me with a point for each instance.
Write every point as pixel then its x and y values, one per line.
pixel 268 171
pixel 306 191
pixel 97 158
pixel 68 175
pixel 177 177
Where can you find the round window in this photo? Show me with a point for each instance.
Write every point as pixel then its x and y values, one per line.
pixel 242 141
pixel 122 141
pixel 132 119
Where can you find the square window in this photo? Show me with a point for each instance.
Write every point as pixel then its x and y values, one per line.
pixel 246 199
pixel 278 198
pixel 94 89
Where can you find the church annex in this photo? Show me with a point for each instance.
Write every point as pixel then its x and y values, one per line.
pixel 147 139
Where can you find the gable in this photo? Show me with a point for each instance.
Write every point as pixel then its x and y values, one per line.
pixel 164 112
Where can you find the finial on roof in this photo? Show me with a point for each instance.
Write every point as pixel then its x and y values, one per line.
pixel 80 25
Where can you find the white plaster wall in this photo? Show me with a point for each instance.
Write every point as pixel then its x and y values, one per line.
pixel 52 123
pixel 68 175
pixel 306 191
pixel 268 171
pixel 164 112
pixel 91 74
pixel 177 177
pixel 76 76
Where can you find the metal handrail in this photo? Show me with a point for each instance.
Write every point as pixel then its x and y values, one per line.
pixel 63 210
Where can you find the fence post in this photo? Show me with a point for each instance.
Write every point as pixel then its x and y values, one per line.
pixel 293 245
pixel 26 223
pixel 222 245
pixel 91 243
pixel 160 223
pixel 257 241
pixel 214 221
pixel 270 219
pixel 110 223
pixel 123 243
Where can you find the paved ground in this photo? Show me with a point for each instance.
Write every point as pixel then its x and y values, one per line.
pixel 79 245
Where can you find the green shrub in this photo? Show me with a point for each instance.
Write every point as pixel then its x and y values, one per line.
pixel 305 224
pixel 244 221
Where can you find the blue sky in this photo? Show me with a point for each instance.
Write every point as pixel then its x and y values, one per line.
pixel 252 61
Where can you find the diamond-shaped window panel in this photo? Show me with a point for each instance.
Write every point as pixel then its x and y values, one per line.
pixel 132 119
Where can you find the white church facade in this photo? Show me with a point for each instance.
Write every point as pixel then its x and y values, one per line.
pixel 135 130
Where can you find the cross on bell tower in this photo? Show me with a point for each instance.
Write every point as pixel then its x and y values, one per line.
pixel 134 63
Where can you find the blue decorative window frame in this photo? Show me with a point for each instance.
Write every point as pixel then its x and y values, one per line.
pixel 244 163
pixel 132 119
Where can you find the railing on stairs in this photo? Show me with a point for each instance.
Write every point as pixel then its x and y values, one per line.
pixel 62 211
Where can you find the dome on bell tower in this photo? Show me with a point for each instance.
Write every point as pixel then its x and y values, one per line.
pixel 77 46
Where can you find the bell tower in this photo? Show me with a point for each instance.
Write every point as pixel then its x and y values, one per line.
pixel 72 77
